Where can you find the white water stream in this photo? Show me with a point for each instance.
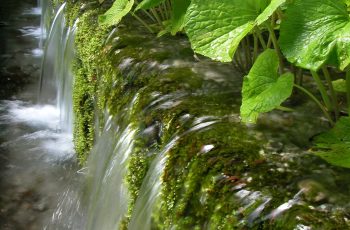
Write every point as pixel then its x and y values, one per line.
pixel 36 148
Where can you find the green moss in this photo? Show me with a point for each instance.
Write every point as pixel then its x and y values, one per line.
pixel 197 185
pixel 89 39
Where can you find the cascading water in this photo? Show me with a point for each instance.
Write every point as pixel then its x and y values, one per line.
pixel 172 154
pixel 56 78
pixel 36 157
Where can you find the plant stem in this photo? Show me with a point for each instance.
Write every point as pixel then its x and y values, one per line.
pixel 309 94
pixel 168 9
pixel 143 23
pixel 322 90
pixel 162 11
pixel 277 48
pixel 239 59
pixel 256 47
pixel 261 39
pixel 334 95
pixel 269 41
pixel 250 63
pixel 149 15
pixel 247 55
pixel 348 88
pixel 145 12
pixel 300 76
pixel 155 14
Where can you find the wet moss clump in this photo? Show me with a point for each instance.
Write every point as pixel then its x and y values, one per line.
pixel 200 177
pixel 88 41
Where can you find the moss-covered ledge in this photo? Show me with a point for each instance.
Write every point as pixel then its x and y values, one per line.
pixel 216 176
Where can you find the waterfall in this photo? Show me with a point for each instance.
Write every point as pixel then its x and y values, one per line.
pixel 151 185
pixel 56 77
pixel 170 151
pixel 45 20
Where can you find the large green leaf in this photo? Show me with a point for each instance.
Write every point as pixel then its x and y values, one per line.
pixel 313 30
pixel 270 9
pixel 148 4
pixel 263 90
pixel 119 9
pixel 178 11
pixel 334 145
pixel 216 27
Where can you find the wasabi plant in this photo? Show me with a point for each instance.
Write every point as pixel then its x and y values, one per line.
pixel 313 35
pixel 277 42
pixel 263 82
pixel 165 15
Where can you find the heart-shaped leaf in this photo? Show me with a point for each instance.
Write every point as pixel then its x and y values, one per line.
pixel 334 145
pixel 119 9
pixel 313 30
pixel 216 27
pixel 263 89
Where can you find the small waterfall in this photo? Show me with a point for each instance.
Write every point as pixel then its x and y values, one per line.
pixel 65 81
pixel 221 175
pixel 151 186
pixel 45 8
pixel 107 167
pixel 100 199
pixel 56 77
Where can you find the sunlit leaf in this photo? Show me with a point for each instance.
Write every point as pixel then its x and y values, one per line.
pixel 216 27
pixel 179 8
pixel 334 145
pixel 263 89
pixel 269 10
pixel 339 85
pixel 313 30
pixel 119 9
pixel 148 4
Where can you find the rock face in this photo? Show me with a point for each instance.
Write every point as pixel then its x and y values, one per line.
pixel 209 171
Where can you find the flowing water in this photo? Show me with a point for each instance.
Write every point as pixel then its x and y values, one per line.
pixel 37 157
pixel 170 147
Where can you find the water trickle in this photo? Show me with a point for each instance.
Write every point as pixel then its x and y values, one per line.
pixel 56 78
pixel 100 199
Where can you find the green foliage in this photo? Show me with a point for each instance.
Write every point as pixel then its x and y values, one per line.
pixel 148 4
pixel 179 8
pixel 215 28
pixel 334 145
pixel 119 9
pixel 312 30
pixel 263 90
pixel 339 85
pixel 269 10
